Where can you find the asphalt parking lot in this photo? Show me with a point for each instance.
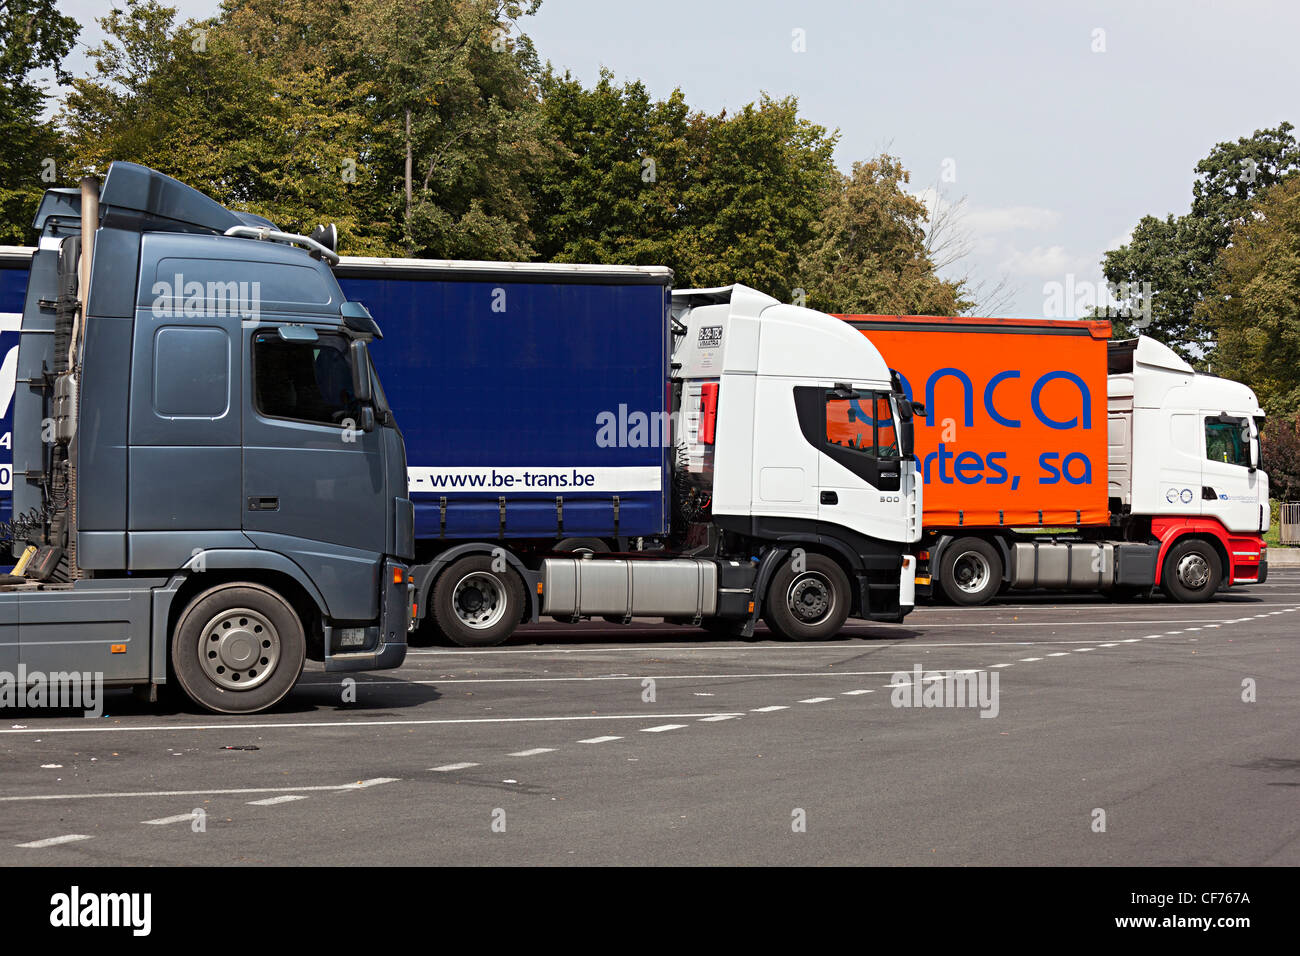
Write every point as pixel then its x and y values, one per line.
pixel 1117 733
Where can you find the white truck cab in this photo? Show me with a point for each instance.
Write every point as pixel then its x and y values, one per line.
pixel 793 423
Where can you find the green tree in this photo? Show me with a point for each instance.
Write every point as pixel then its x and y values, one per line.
pixel 1254 308
pixel 615 190
pixel 755 195
pixel 34 36
pixel 1178 255
pixel 868 252
pixel 191 101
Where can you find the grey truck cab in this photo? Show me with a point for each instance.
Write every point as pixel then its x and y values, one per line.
pixel 208 483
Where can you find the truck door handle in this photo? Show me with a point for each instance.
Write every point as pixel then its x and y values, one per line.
pixel 263 504
pixel 830 498
pixel 1207 493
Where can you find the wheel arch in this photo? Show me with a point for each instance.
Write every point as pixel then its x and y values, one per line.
pixel 426 574
pixel 1170 532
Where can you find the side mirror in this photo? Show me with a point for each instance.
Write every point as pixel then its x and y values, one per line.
pixel 367 418
pixel 360 357
pixel 918 408
pixel 906 439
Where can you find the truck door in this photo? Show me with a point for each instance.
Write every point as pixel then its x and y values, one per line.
pixel 859 471
pixel 311 475
pixel 1230 491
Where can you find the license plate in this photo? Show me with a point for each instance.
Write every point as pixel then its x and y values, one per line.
pixel 352 637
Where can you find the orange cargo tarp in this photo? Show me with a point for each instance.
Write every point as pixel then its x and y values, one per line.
pixel 1015 427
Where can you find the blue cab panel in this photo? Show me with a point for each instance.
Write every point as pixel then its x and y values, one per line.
pixel 519 385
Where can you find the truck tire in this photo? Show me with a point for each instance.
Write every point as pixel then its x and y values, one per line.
pixel 970 572
pixel 238 648
pixel 475 606
pixel 808 605
pixel 1192 571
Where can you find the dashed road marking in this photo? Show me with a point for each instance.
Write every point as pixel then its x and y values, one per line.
pixel 338 787
pixel 815 700
pixel 661 728
pixel 52 841
pixel 163 821
pixel 272 801
pixel 769 709
pixel 1060 654
pixel 449 767
pixel 1029 660
pixel 598 740
pixel 534 752
pixel 855 693
pixel 710 720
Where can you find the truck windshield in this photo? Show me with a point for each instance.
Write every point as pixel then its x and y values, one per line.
pixel 1224 442
pixel 304 381
pixel 864 424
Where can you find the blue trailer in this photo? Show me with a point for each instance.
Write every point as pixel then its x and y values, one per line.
pixel 535 396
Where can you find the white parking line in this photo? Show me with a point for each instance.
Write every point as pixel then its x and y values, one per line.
pixel 534 752
pixel 163 821
pixel 598 740
pixel 272 801
pixel 449 767
pixel 52 841
pixel 661 728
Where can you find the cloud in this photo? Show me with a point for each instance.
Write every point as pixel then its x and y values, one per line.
pixel 1045 262
pixel 1010 218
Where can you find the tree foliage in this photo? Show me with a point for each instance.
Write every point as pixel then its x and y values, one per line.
pixel 1178 255
pixel 34 36
pixel 1255 307
pixel 868 252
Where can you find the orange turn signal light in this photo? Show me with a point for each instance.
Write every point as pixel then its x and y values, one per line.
pixel 397 575
pixel 117 648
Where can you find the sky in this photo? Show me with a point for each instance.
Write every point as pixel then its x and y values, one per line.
pixel 1060 124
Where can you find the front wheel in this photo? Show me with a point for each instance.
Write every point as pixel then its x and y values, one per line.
pixel 238 648
pixel 1192 571
pixel 475 605
pixel 810 604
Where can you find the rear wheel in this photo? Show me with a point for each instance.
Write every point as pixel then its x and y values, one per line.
pixel 1192 571
pixel 808 605
pixel 474 605
pixel 238 648
pixel 970 572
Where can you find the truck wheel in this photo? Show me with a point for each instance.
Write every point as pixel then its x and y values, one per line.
pixel 475 606
pixel 1192 571
pixel 808 605
pixel 238 648
pixel 970 572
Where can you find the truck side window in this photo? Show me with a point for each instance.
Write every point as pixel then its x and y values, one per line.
pixel 1223 442
pixel 303 381
pixel 864 424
